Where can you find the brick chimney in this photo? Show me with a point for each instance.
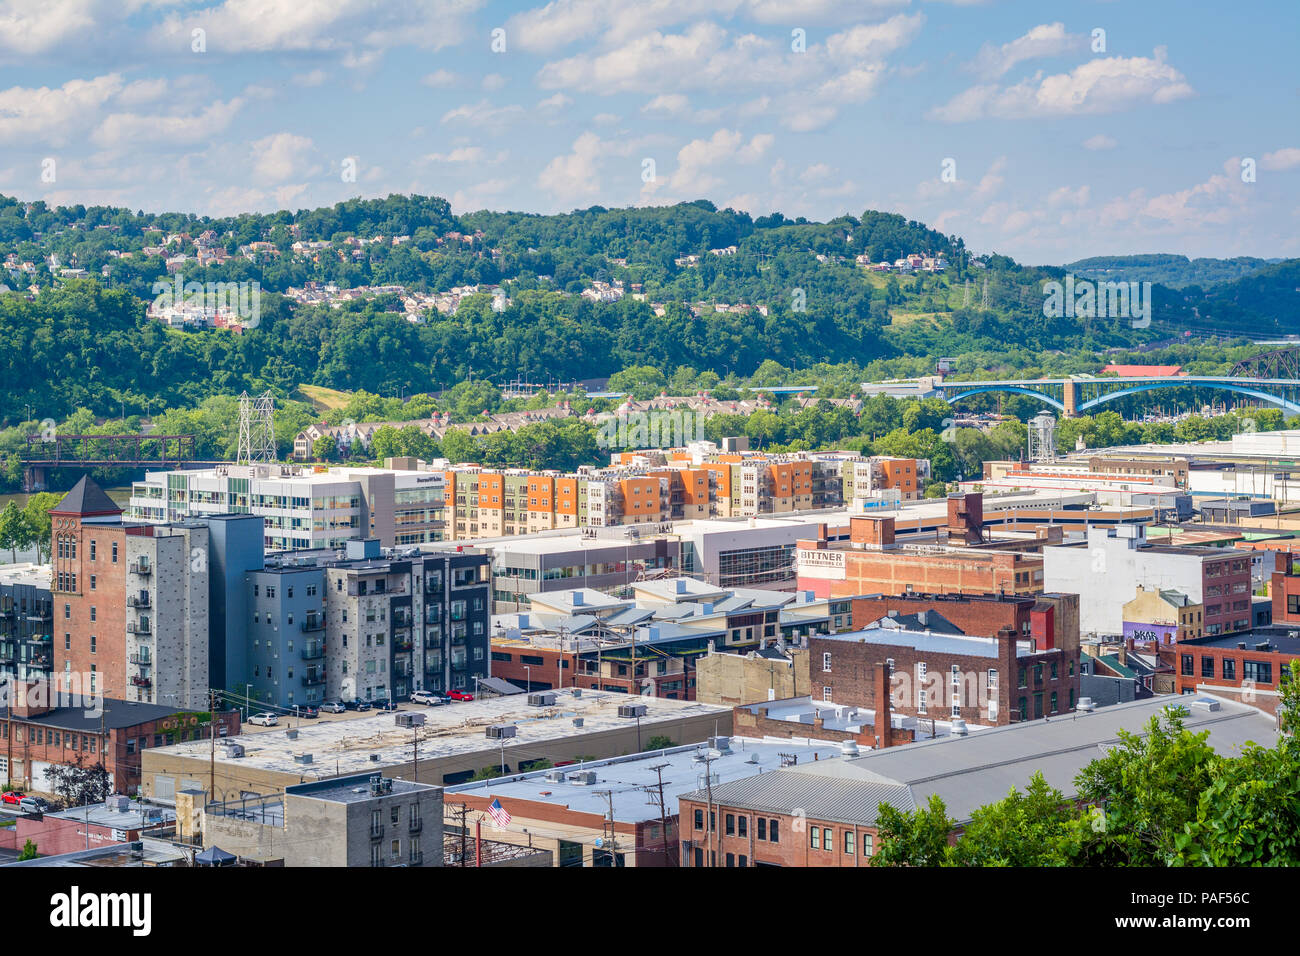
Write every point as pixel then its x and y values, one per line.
pixel 871 533
pixel 881 697
pixel 31 699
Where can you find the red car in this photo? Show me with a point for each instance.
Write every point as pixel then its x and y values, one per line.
pixel 459 695
pixel 12 796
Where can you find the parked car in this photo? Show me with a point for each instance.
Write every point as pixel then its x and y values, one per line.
pixel 430 698
pixel 13 796
pixel 356 703
pixel 385 705
pixel 459 695
pixel 332 707
pixel 266 719
pixel 306 711
pixel 32 805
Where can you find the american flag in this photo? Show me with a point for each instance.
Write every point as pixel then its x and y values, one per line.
pixel 499 813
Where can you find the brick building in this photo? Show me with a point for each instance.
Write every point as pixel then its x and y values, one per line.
pixel 1012 675
pixel 40 729
pixel 1252 664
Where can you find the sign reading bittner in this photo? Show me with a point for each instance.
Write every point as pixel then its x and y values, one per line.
pixel 820 563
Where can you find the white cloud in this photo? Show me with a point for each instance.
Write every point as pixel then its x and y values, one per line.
pixel 1100 142
pixel 873 41
pixel 1100 85
pixel 127 130
pixel 1048 39
pixel 484 113
pixel 440 78
pixel 39 26
pixel 558 101
pixel 480 195
pixel 1282 159
pixel 467 154
pixel 280 157
pixel 700 155
pixel 493 81
pixel 310 78
pixel 143 91
pixel 53 115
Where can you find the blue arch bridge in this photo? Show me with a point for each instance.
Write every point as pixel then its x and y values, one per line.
pixel 1081 396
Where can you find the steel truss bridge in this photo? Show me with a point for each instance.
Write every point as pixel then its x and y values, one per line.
pixel 1077 396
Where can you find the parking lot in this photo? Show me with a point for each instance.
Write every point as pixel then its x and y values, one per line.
pixel 287 720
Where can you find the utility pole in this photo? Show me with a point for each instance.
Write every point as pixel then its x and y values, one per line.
pixel 663 816
pixel 415 761
pixel 709 832
pixel 608 829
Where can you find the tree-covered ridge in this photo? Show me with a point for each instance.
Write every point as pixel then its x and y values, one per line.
pixel 1171 271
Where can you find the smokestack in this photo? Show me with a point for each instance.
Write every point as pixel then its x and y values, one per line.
pixel 883 704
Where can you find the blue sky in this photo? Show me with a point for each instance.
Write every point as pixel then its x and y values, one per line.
pixel 1059 147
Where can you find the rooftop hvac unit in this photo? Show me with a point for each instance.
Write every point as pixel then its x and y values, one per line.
pixel 577 692
pixel 118 802
pixel 555 776
pixel 302 758
pixel 407 719
pixel 291 733
pixel 720 744
pixel 233 749
pixel 577 721
pixel 1206 703
pixel 631 710
pixel 374 758
pixel 583 778
pixel 501 731
pixel 541 700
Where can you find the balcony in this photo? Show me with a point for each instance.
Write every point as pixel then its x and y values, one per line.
pixel 141 568
pixel 137 627
pixel 138 600
pixel 402 644
pixel 139 681
pixel 313 624
pixel 313 651
pixel 313 678
pixel 141 660
pixel 8 653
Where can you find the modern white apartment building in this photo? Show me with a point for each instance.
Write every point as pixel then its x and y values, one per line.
pixel 303 508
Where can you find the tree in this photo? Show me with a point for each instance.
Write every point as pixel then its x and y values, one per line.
pixel 77 785
pixel 325 448
pixel 13 530
pixel 659 742
pixel 29 851
pixel 1024 829
pixel 913 838
pixel 1147 789
pixel 459 445
pixel 36 519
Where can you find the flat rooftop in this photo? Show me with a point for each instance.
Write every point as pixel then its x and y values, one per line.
pixel 628 778
pixel 353 789
pixel 1279 640
pixel 957 644
pixel 971 771
pixel 133 817
pixel 345 746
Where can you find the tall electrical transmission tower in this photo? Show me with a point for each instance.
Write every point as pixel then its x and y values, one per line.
pixel 256 428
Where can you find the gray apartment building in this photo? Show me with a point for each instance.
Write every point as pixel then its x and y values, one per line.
pixel 26 623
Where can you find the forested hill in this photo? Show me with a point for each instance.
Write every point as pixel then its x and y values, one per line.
pixel 1172 271
pixel 707 289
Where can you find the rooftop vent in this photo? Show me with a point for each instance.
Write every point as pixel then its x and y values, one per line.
pixel 577 721
pixel 302 758
pixel 374 758
pixel 577 692
pixel 1086 705
pixel 541 700
pixel 1206 703
pixel 1264 646
pixel 959 727
pixel 291 733
pixel 1241 645
pixel 848 748
pixel 501 731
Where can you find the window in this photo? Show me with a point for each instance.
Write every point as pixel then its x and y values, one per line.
pixel 815 837
pixel 699 819
pixel 731 824
pixel 1207 666
pixel 731 857
pixel 92 612
pixel 1053 701
pixel 868 844
pixel 1229 669
pixel 1187 665
pixel 762 827
pixel 826 693
pixel 742 826
pixel 773 831
pixel 848 843
pixel 115 552
pixel 828 839
pixel 1261 672
pixel 93 578
pixel 826 662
